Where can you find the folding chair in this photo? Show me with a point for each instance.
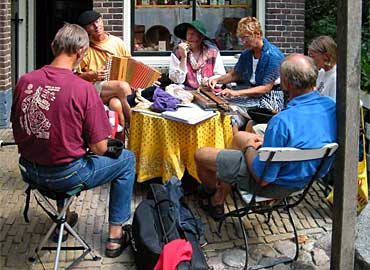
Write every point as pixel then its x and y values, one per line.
pixel 260 205
pixel 43 197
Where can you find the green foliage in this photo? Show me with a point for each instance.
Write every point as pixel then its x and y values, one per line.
pixel 321 19
pixel 365 54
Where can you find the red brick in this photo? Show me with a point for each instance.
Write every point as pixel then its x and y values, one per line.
pixel 107 4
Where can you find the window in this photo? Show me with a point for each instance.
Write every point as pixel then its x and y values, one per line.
pixel 153 22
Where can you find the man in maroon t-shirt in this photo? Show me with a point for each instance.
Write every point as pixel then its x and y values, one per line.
pixel 56 116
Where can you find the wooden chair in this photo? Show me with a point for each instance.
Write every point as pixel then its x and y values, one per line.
pixel 260 205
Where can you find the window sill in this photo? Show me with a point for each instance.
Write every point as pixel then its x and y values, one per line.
pixel 163 61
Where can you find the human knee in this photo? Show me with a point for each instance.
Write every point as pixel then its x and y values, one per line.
pixel 204 157
pixel 125 88
pixel 115 104
pixel 128 160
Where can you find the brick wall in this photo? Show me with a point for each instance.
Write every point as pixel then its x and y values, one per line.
pixel 285 24
pixel 5 38
pixel 112 12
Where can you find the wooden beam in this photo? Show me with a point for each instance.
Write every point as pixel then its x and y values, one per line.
pixel 348 90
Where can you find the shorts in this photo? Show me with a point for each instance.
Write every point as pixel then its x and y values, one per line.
pixel 99 86
pixel 259 129
pixel 232 169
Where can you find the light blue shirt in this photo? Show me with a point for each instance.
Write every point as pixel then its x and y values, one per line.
pixel 309 121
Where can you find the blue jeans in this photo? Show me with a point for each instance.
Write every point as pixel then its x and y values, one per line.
pixel 90 171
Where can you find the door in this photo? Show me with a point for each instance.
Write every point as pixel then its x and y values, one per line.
pixel 22 35
pixel 50 16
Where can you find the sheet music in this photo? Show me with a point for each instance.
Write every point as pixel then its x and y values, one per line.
pixel 190 114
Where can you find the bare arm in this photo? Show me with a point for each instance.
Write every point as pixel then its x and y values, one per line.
pixel 254 91
pixel 99 148
pixel 250 155
pixel 94 75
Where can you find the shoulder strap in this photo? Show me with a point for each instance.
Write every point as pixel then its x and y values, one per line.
pixel 96 47
pixel 166 212
pixel 27 205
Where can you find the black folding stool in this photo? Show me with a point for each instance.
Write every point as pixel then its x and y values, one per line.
pixel 43 197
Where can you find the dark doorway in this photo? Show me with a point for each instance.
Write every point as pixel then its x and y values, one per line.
pixel 50 16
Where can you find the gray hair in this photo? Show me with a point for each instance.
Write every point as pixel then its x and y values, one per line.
pixel 69 39
pixel 300 71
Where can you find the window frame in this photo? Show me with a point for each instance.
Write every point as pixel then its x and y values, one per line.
pixel 160 59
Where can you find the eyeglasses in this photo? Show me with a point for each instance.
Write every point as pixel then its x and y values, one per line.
pixel 246 38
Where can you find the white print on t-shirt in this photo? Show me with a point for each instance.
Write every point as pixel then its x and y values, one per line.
pixel 320 88
pixel 34 120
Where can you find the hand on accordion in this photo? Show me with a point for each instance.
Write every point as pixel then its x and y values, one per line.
pixel 101 74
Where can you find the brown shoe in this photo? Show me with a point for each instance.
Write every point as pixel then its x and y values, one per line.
pixel 72 221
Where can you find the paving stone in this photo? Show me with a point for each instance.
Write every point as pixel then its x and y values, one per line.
pixel 286 248
pixel 256 252
pixel 282 267
pixel 312 218
pixel 216 262
pixel 362 243
pixel 319 257
pixel 300 265
pixel 219 246
pixel 305 256
pixel 266 260
pixel 278 237
pixel 308 245
pixel 288 226
pixel 234 258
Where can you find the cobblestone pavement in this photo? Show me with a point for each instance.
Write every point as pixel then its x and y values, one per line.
pixel 17 238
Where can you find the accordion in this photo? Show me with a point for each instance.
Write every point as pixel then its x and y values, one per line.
pixel 135 73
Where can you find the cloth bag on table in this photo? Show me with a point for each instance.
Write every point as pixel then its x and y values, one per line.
pixel 162 101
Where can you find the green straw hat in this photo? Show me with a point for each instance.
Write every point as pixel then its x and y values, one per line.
pixel 180 30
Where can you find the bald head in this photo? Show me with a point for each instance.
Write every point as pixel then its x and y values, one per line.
pixel 298 72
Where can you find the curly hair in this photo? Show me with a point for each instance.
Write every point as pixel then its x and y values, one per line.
pixel 250 25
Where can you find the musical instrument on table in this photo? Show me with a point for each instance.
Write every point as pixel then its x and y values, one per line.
pixel 135 73
pixel 208 100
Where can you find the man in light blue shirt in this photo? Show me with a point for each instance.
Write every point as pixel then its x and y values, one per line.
pixel 309 121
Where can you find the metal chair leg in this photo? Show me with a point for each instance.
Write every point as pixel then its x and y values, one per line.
pixel 61 220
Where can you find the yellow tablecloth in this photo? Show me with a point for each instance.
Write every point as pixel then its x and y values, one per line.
pixel 164 147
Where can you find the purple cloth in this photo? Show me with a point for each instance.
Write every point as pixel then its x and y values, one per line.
pixel 163 101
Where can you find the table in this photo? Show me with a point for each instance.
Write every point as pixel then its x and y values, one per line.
pixel 164 148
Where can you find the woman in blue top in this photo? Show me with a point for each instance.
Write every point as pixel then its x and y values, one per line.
pixel 259 66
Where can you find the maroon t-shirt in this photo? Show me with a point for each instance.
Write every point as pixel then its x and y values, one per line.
pixel 55 115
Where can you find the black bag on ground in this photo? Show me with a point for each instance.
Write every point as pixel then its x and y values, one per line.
pixel 156 222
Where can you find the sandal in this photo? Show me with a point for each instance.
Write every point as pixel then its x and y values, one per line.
pixel 204 197
pixel 124 241
pixel 72 221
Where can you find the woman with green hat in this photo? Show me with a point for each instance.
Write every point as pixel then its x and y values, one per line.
pixel 196 58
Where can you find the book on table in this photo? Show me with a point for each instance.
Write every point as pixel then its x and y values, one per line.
pixel 189 113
